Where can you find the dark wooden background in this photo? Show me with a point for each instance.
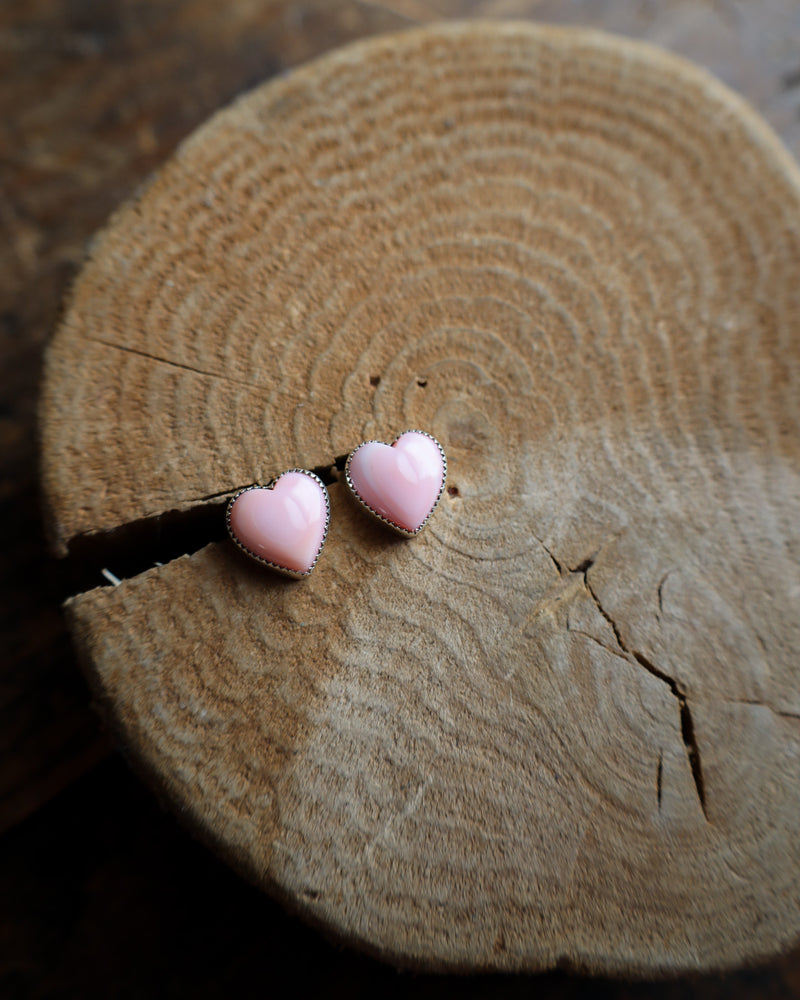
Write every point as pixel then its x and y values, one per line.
pixel 101 893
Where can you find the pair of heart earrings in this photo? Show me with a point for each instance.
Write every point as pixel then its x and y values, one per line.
pixel 284 524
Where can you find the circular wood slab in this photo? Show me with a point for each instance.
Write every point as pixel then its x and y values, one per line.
pixel 563 724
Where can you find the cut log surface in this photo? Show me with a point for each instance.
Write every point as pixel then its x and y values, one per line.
pixel 563 724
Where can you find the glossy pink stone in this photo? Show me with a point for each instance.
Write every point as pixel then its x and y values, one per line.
pixel 403 481
pixel 284 524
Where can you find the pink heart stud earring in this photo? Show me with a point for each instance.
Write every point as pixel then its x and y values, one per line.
pixel 284 524
pixel 399 483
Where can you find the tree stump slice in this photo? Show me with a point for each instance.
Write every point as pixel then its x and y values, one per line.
pixel 562 726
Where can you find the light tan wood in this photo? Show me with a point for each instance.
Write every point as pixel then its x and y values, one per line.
pixel 562 725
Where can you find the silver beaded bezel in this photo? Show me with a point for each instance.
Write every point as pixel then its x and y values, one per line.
pixel 371 510
pixel 284 570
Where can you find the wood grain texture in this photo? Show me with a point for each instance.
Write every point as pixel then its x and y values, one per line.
pixel 752 45
pixel 563 725
pixel 73 150
pixel 96 94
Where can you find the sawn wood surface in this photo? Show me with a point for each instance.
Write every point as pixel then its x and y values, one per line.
pixel 563 725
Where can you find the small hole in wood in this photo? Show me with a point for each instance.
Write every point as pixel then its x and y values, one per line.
pixel 453 491
pixel 422 382
pixel 374 380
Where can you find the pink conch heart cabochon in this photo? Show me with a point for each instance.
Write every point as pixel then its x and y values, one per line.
pixel 284 524
pixel 401 482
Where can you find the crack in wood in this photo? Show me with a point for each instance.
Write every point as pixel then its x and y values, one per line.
pixel 106 558
pixel 688 734
pixel 597 642
pixel 659 777
pixel 756 703
pixel 553 559
pixel 169 362
pixel 660 592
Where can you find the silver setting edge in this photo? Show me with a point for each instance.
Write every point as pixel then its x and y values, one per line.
pixel 371 510
pixel 283 570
